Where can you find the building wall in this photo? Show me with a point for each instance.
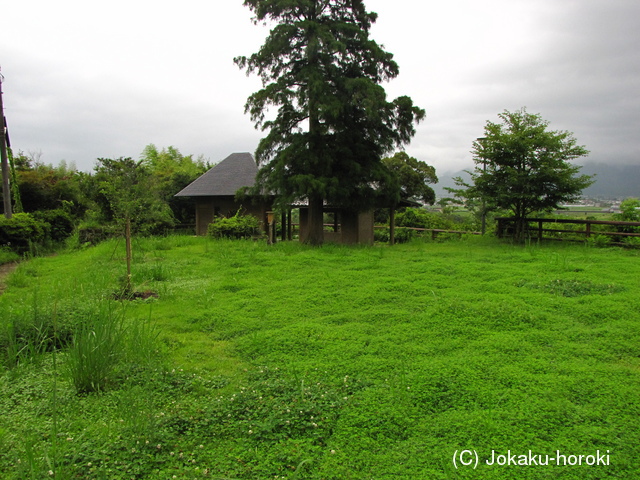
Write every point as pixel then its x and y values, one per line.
pixel 357 227
pixel 354 228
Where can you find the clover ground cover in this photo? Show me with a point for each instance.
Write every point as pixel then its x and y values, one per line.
pixel 335 363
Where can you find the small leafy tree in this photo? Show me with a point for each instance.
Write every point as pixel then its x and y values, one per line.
pixel 410 179
pixel 133 200
pixel 523 167
pixel 629 210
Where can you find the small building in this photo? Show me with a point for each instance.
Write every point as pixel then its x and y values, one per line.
pixel 215 191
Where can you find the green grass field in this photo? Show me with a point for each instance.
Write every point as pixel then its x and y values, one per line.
pixel 284 361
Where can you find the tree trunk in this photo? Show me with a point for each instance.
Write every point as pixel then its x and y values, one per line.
pixel 392 226
pixel 520 229
pixel 315 221
pixel 316 201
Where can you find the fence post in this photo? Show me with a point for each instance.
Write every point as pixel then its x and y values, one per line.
pixel 540 231
pixel 500 227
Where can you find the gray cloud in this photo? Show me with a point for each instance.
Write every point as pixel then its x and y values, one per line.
pixel 83 85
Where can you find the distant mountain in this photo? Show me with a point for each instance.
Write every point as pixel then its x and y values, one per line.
pixel 446 180
pixel 612 181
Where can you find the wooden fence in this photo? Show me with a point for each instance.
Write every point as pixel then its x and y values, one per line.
pixel 434 231
pixel 538 227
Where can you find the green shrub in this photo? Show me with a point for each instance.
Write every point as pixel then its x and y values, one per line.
pixel 630 210
pixel 633 242
pixel 21 231
pixel 381 235
pixel 238 226
pixel 420 218
pixel 598 241
pixel 404 235
pixel 59 221
pixel 94 233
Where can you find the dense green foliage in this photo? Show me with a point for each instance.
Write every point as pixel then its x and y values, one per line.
pixel 629 212
pixel 59 223
pixel 238 226
pixel 523 167
pixel 45 187
pixel 420 218
pixel 335 363
pixel 20 231
pixel 334 124
pixel 64 202
pixel 173 171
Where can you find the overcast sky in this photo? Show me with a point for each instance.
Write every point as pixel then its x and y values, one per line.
pixel 104 79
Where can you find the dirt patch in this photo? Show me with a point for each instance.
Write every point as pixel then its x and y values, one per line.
pixel 5 271
pixel 136 295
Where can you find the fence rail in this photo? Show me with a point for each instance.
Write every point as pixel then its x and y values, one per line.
pixel 546 225
pixel 434 231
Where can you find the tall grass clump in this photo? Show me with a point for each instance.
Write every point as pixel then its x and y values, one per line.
pixel 104 344
pixel 96 350
pixel 27 334
pixel 8 256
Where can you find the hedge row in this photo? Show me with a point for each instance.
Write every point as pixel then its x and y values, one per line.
pixel 24 230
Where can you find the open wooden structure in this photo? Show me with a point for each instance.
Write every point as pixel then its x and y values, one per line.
pixel 215 191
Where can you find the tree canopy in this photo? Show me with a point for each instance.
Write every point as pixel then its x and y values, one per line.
pixel 523 167
pixel 334 124
pixel 411 178
pixel 173 171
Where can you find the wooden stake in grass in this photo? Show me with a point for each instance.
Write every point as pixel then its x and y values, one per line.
pixel 127 235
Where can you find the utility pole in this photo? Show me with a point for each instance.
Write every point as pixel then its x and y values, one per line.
pixel 6 189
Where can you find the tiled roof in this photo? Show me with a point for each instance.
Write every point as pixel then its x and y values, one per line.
pixel 225 178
